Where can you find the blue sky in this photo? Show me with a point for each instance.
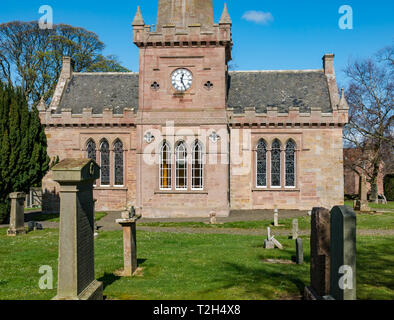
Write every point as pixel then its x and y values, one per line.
pixel 295 36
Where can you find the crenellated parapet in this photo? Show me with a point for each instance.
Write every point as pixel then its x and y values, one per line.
pixel 88 119
pixel 190 35
pixel 291 119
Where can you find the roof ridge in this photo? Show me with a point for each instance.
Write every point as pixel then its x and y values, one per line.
pixel 104 73
pixel 278 71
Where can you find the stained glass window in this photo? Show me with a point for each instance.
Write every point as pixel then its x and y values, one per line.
pixel 104 155
pixel 181 166
pixel 118 154
pixel 197 166
pixel 290 164
pixel 275 164
pixel 91 150
pixel 165 166
pixel 261 164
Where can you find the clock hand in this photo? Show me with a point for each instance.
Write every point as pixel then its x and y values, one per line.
pixel 183 82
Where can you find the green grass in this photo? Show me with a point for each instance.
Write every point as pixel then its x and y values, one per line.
pixel 31 209
pixel 383 221
pixel 388 206
pixel 55 217
pixel 189 266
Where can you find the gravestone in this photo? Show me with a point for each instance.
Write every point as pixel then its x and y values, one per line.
pixel 268 244
pixel 212 217
pixel 76 280
pixel 276 218
pixel 271 242
pixel 17 217
pixel 362 204
pixel 343 253
pixel 128 223
pixel 295 229
pixel 319 255
pixel 299 251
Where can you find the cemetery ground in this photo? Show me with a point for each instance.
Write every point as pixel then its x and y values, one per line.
pixel 199 266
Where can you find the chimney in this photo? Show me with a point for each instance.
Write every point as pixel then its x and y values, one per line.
pixel 67 68
pixel 328 64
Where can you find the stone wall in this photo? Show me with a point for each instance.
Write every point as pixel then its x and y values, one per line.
pixel 70 142
pixel 319 164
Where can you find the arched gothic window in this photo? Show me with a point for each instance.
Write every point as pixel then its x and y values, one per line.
pixel 197 167
pixel 290 164
pixel 165 166
pixel 104 164
pixel 181 166
pixel 118 162
pixel 261 164
pixel 91 150
pixel 276 164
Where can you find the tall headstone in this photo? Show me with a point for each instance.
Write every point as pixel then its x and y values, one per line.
pixel 319 255
pixel 76 280
pixel 295 229
pixel 343 253
pixel 362 204
pixel 17 217
pixel 299 251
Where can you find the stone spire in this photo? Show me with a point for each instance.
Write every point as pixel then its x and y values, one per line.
pixel 343 105
pixel 138 20
pixel 183 13
pixel 225 19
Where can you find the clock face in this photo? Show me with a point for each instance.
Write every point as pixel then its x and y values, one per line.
pixel 182 80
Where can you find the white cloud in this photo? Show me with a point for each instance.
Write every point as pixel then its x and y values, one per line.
pixel 259 17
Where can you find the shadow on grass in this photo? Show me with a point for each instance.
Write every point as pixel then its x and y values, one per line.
pixel 263 281
pixel 108 279
pixel 39 216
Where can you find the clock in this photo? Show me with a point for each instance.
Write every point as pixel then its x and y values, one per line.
pixel 182 80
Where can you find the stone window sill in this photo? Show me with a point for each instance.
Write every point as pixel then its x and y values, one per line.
pixel 276 190
pixel 111 188
pixel 181 192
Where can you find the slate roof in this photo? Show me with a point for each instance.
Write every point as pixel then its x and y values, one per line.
pixel 259 89
pixel 99 91
pixel 282 89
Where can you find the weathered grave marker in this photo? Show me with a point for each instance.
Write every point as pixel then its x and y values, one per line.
pixel 295 229
pixel 17 217
pixel 299 251
pixel 276 218
pixel 320 254
pixel 212 217
pixel 271 242
pixel 362 204
pixel 343 253
pixel 76 279
pixel 128 223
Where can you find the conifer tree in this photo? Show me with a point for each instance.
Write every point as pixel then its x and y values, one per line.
pixel 23 157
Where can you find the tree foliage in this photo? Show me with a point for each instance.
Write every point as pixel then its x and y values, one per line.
pixel 370 128
pixel 31 58
pixel 23 157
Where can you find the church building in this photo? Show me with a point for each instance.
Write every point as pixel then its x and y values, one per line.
pixel 185 136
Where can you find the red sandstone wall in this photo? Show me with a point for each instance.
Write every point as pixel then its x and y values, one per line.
pixel 319 171
pixel 71 143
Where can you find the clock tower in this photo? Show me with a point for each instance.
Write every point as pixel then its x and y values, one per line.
pixel 182 100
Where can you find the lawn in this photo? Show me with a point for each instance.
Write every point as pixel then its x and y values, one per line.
pixel 190 266
pixel 388 206
pixel 384 221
